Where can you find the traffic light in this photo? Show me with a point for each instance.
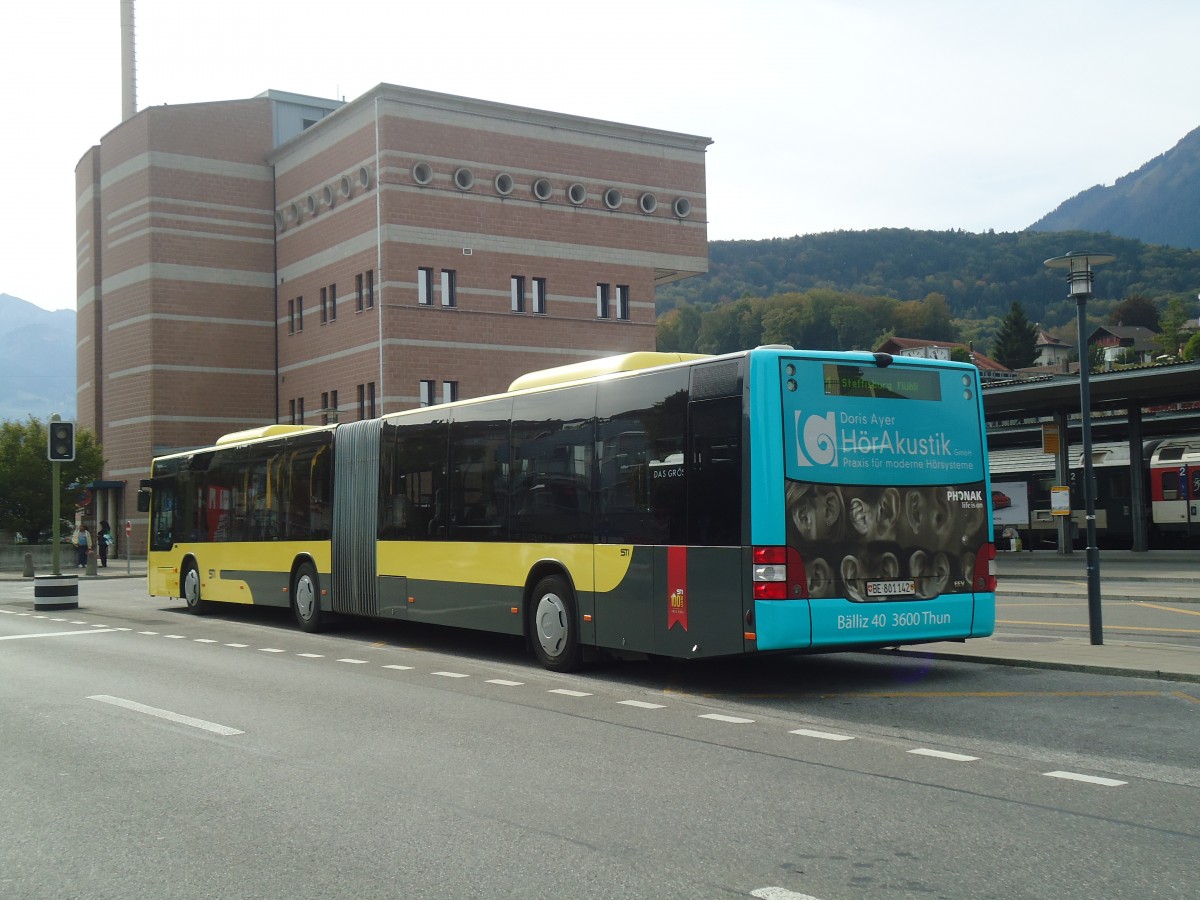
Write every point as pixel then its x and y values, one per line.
pixel 61 442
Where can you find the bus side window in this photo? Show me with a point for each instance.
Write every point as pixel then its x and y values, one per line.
pixel 479 467
pixel 412 482
pixel 641 430
pixel 715 479
pixel 553 444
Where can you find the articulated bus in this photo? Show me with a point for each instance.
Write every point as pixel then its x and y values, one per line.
pixel 647 504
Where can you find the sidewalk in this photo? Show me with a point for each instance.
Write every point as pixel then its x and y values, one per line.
pixel 1173 576
pixel 1163 575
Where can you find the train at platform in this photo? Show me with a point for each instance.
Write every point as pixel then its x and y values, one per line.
pixel 1024 486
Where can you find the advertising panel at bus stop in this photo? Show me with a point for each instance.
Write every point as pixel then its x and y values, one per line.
pixel 1010 503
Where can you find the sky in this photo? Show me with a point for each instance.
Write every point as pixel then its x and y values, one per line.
pixel 824 114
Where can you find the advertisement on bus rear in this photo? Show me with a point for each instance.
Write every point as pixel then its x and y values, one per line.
pixel 886 491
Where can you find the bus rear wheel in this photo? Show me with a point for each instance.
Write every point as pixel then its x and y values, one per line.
pixel 189 587
pixel 306 598
pixel 554 626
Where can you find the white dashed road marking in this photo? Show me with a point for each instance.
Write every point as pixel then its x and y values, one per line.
pixel 167 714
pixel 1090 779
pixel 766 893
pixel 823 735
pixel 942 754
pixel 17 637
pixel 778 893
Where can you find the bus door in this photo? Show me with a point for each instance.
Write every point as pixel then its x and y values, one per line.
pixel 703 580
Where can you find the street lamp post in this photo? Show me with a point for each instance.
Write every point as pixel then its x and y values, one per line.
pixel 1079 286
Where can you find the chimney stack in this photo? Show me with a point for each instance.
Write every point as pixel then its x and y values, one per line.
pixel 128 63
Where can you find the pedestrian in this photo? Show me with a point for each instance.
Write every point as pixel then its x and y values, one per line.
pixel 81 545
pixel 104 540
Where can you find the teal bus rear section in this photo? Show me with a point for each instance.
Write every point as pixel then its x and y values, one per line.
pixel 870 508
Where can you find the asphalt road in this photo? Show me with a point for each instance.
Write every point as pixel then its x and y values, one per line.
pixel 149 753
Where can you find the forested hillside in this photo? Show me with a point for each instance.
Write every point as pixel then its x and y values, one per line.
pixel 847 289
pixel 1158 203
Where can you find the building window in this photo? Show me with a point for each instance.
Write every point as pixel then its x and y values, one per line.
pixel 370 399
pixel 362 402
pixel 539 296
pixel 426 395
pixel 517 287
pixel 299 313
pixel 449 391
pixel 602 301
pixel 333 406
pixel 300 411
pixel 425 286
pixel 324 306
pixel 623 301
pixel 292 412
pixel 324 407
pixel 370 288
pixel 449 288
pixel 292 318
pixel 333 303
pixel 358 292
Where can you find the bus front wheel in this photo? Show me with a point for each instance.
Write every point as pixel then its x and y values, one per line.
pixel 189 586
pixel 555 628
pixel 306 598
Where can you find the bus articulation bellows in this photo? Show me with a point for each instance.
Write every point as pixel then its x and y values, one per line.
pixel 656 504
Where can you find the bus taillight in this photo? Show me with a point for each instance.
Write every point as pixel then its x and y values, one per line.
pixel 778 574
pixel 985 569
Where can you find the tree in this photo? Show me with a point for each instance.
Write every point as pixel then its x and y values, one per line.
pixel 1172 337
pixel 1191 350
pixel 1015 345
pixel 1133 311
pixel 25 500
pixel 678 329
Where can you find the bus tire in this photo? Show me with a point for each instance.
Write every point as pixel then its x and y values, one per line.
pixel 306 598
pixel 554 626
pixel 189 589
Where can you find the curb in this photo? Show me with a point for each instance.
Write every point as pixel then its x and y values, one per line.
pixel 1157 674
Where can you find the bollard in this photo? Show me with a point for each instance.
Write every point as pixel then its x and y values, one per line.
pixel 91 563
pixel 56 592
pixel 28 572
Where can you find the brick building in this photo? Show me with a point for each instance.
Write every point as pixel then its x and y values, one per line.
pixel 293 259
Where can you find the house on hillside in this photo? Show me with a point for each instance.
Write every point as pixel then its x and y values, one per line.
pixel 989 369
pixel 1128 343
pixel 1051 351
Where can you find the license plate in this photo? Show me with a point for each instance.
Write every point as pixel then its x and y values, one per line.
pixel 902 588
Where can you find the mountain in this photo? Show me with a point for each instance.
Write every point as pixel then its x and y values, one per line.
pixel 37 361
pixel 1159 203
